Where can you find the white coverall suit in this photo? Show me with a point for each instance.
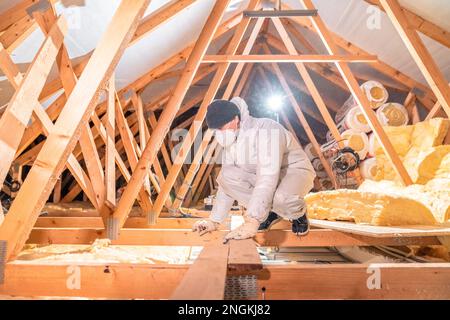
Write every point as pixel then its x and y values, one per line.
pixel 265 169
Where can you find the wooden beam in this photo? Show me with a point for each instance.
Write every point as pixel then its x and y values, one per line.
pixel 185 237
pixel 9 68
pixel 72 163
pixel 299 281
pixel 150 152
pixel 419 53
pixel 159 17
pixel 62 139
pixel 420 24
pixel 110 166
pixel 17 33
pixel 243 256
pixel 360 97
pixel 16 116
pixel 283 58
pixel 206 278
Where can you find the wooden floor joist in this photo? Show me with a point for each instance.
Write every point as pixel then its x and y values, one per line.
pixel 298 281
pixel 205 279
pixel 185 237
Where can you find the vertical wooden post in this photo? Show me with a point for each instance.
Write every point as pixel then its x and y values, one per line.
pixel 110 168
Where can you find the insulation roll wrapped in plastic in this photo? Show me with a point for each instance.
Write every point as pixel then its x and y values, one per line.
pixel 310 152
pixel 375 92
pixel 354 119
pixel 368 168
pixel 358 141
pixel 393 114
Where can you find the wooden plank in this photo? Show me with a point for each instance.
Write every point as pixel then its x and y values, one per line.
pixel 72 163
pixel 383 231
pixel 193 169
pixel 61 141
pixel 110 157
pixel 16 116
pixel 299 281
pixel 9 68
pixel 117 281
pixel 283 58
pixel 94 222
pixel 419 53
pixel 158 17
pixel 356 281
pixel 243 256
pixel 93 164
pixel 17 33
pixel 205 279
pixel 180 237
pixel 165 120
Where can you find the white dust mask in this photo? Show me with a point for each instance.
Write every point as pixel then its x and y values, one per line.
pixel 226 137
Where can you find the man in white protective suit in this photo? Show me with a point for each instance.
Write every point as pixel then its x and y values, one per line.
pixel 263 168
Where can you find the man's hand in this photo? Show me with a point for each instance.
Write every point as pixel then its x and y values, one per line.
pixel 204 226
pixel 247 230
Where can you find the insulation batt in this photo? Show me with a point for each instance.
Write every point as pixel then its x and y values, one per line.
pixel 368 208
pixel 419 147
pixel 387 202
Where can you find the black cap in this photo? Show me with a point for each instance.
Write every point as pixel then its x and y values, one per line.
pixel 220 112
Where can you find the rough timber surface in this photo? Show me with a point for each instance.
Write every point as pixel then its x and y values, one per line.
pixel 383 231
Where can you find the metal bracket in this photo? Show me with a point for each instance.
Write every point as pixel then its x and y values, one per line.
pixel 280 13
pixel 40 6
pixel 112 228
pixel 242 287
pixel 151 218
pixel 3 248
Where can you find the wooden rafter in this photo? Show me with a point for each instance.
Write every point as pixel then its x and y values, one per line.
pixel 420 24
pixel 16 116
pixel 419 53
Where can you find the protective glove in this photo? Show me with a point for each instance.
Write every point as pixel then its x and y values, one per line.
pixel 204 226
pixel 245 231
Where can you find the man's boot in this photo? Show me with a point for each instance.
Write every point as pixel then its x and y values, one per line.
pixel 300 226
pixel 269 222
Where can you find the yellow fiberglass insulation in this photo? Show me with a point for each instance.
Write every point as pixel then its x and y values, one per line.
pixel 386 202
pixel 419 147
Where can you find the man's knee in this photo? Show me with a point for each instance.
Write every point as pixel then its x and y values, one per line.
pixel 287 204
